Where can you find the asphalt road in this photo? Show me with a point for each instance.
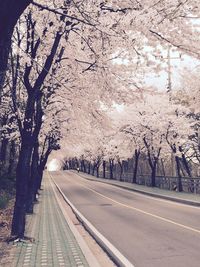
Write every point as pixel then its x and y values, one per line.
pixel 149 232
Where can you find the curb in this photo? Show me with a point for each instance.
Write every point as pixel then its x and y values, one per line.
pixel 113 252
pixel 174 199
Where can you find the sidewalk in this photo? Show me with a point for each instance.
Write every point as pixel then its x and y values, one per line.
pixel 54 244
pixel 181 197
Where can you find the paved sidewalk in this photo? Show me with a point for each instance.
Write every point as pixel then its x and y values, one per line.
pixel 182 197
pixel 55 244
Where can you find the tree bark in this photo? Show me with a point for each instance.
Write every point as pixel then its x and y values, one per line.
pixel 10 11
pixel 135 170
pixel 23 170
pixel 179 182
pixel 89 164
pixel 153 174
pixel 32 183
pixel 121 170
pixel 111 165
pixel 83 169
pixel 104 169
pixel 41 168
pixel 93 168
pixel 22 174
pixel 185 164
pixel 97 167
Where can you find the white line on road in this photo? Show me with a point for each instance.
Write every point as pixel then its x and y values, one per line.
pixel 139 210
pixel 139 194
pixel 119 258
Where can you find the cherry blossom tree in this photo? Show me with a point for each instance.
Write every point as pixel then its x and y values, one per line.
pixel 152 126
pixel 85 41
pixel 157 22
pixel 189 96
pixel 32 76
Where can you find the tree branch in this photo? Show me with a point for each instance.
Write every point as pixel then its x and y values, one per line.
pixel 42 7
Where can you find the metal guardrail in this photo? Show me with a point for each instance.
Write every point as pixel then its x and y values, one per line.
pixel 189 184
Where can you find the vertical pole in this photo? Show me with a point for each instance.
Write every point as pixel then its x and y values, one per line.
pixel 169 87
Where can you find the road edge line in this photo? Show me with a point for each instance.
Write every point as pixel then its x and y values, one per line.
pixel 169 198
pixel 112 251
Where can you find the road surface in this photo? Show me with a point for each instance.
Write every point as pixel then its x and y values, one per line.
pixel 149 232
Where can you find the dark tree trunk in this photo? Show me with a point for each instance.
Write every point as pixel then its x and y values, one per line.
pixel 93 168
pixel 186 166
pixel 135 170
pixel 97 168
pixel 70 164
pixel 10 12
pixel 29 135
pixel 74 164
pixel 163 167
pixel 40 176
pixel 104 169
pixel 111 165
pixel 179 182
pixel 121 170
pixel 23 171
pixel 89 167
pixel 41 168
pixel 83 168
pixel 32 183
pixel 152 164
pixel 153 174
pixel 22 175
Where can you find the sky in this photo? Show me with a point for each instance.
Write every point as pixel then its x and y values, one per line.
pixel 177 66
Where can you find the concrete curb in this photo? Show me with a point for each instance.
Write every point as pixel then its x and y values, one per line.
pixel 91 259
pixel 174 199
pixel 113 252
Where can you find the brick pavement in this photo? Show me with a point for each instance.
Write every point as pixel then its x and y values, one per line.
pixel 55 244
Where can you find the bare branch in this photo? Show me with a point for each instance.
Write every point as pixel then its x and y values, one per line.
pixel 42 7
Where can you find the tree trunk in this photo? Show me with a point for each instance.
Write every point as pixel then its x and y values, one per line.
pixel 93 169
pixel 163 167
pixel 70 164
pixel 179 182
pixel 83 168
pixel 153 174
pixel 185 164
pixel 135 170
pixel 40 176
pixel 10 12
pixel 104 169
pixel 97 167
pixel 32 183
pixel 22 175
pixel 111 164
pixel 41 168
pixel 89 165
pixel 121 170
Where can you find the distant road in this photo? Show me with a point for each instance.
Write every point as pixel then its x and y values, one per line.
pixel 150 232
